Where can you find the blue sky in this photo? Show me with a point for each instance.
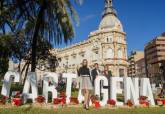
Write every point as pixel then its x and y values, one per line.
pixel 142 20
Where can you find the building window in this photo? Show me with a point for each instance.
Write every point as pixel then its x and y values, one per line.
pixel 109 53
pixel 109 39
pixel 120 54
pixel 95 55
pixel 121 72
pixel 125 53
pixel 82 55
pixel 119 39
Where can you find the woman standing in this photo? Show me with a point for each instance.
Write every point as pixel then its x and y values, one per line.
pixel 85 83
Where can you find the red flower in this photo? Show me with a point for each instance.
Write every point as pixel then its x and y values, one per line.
pixel 129 103
pixel 40 99
pixel 56 101
pixel 3 99
pixel 63 101
pixel 111 102
pixel 96 104
pixel 94 98
pixel 143 98
pixel 74 100
pixel 161 100
pixel 17 101
pixel 144 103
pixel 59 101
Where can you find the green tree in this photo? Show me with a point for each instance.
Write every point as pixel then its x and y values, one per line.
pixel 18 47
pixel 50 19
pixel 5 52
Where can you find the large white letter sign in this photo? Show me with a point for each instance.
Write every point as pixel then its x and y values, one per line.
pixel 31 81
pixel 131 90
pixel 69 77
pixel 8 80
pixel 146 90
pixel 114 89
pixel 80 96
pixel 53 78
pixel 103 91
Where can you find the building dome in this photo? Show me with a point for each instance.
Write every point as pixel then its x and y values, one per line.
pixel 109 18
pixel 110 21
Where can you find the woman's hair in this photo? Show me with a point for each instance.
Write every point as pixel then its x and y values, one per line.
pixel 84 60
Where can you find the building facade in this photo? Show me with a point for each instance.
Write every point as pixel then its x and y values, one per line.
pixel 105 46
pixel 136 63
pixel 154 56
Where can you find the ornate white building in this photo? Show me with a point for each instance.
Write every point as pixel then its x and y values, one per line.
pixel 105 46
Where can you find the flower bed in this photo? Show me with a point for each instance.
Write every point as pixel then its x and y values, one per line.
pixel 3 100
pixel 17 101
pixel 129 103
pixel 95 101
pixel 96 104
pixel 111 102
pixel 61 101
pixel 160 102
pixel 143 101
pixel 73 100
pixel 40 99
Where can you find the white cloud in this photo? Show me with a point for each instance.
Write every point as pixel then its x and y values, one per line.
pixel 88 17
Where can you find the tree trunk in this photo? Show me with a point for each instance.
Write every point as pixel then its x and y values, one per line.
pixel 35 36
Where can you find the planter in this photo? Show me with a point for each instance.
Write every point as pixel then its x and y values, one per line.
pixel 74 101
pixel 129 103
pixel 40 99
pixel 61 101
pixel 17 101
pixel 160 102
pixel 144 103
pixel 111 102
pixel 96 104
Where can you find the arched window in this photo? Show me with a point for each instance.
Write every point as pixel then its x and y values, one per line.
pixel 119 39
pixel 109 53
pixel 109 39
pixel 120 54
pixel 125 53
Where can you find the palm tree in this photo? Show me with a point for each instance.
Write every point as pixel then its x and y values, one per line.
pixel 51 19
pixel 4 54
